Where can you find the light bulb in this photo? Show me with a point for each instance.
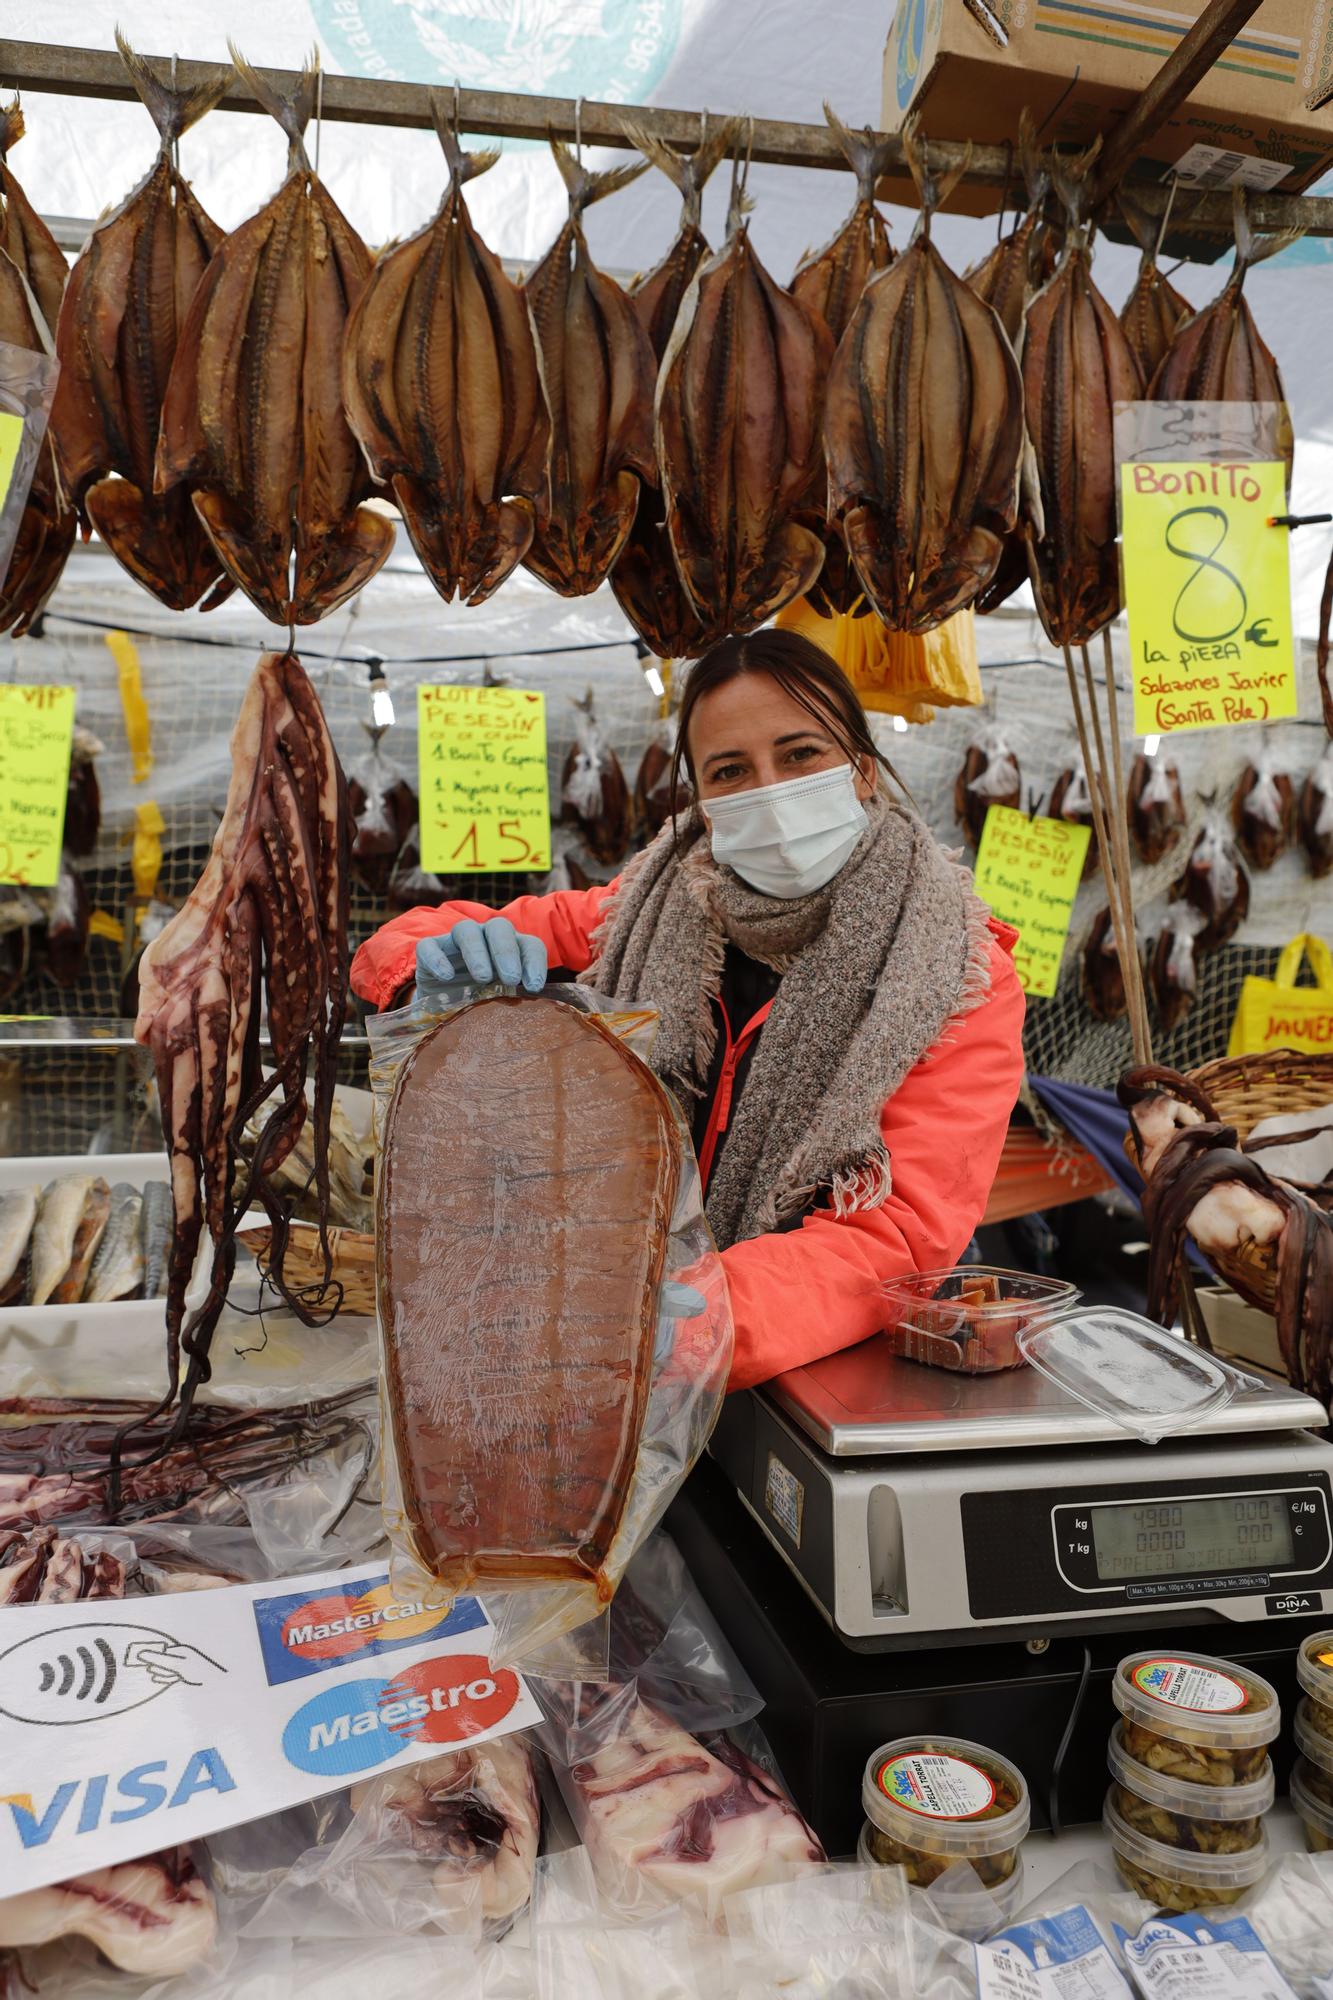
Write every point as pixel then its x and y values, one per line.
pixel 1151 745
pixel 654 679
pixel 900 725
pixel 381 705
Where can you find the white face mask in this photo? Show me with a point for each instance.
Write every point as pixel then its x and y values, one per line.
pixel 789 839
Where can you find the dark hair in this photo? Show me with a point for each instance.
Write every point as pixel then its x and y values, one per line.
pixel 802 670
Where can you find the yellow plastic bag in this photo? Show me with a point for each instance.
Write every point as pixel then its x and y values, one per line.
pixel 1278 1014
pixel 896 673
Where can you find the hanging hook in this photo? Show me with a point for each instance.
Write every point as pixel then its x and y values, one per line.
pixel 175 154
pixel 458 92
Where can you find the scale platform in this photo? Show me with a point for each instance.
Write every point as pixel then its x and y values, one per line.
pixel 917 1506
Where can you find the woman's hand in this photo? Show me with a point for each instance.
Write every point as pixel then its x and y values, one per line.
pixel 489 953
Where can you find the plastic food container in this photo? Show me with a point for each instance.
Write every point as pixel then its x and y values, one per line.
pixel 968 1318
pixel 933 1801
pixel 1203 1819
pixel 1174 1879
pixel 1314 1671
pixel 1194 1719
pixel 1312 1803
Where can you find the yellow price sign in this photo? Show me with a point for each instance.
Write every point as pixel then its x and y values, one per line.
pixel 36 726
pixel 1028 870
pixel 1208 591
pixel 485 802
pixel 11 437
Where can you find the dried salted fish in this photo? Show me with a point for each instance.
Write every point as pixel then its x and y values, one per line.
pixel 442 387
pixel 64 943
pixel 1071 800
pixel 989 777
pixel 32 278
pixel 1154 309
pixel 1077 365
pixel 1218 355
pixel 1263 810
pixel 1173 972
pixel 18 1213
pixel 652 786
pixel 117 1269
pixel 598 369
pixel 645 579
pixel 253 420
pixel 1103 975
pixel 83 795
pixel 1215 883
pixel 70 1221
pixel 1007 278
pixel 124 309
pixel 739 402
pixel 831 281
pixel 1314 821
pixel 923 433
pixel 384 811
pixel 1156 806
pixel 593 793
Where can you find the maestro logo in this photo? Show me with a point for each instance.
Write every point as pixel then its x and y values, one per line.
pixel 614 50
pixel 301 1634
pixel 362 1723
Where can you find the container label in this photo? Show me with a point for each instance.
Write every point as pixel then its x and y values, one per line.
pixel 784 1497
pixel 1198 1958
pixel 1182 1685
pixel 1062 1957
pixel 936 1786
pixel 1215 167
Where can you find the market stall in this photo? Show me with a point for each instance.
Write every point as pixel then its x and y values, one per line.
pixel 757 1422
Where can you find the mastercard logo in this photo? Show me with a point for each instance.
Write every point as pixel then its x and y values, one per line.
pixel 341 1624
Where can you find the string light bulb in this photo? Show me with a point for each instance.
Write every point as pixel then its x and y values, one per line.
pixel 381 701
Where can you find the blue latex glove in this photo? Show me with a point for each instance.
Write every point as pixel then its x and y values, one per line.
pixel 487 954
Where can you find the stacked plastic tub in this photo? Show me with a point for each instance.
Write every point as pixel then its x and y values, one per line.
pixel 1191 1778
pixel 935 1802
pixel 1312 1773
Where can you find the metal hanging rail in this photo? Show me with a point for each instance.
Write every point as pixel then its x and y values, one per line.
pixel 38 66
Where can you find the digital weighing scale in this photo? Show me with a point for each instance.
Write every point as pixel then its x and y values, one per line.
pixel 922 1507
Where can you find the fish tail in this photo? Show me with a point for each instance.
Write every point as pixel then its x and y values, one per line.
pixel 1036 173
pixel 688 172
pixel 292 112
pixel 869 154
pixel 172 111
pixel 11 126
pixel 1142 227
pixel 1252 249
pixel 934 192
pixel 462 166
pixel 584 187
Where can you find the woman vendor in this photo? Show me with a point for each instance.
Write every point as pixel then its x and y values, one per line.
pixel 839 1014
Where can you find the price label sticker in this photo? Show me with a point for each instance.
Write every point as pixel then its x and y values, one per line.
pixel 1208 591
pixel 485 800
pixel 1028 870
pixel 11 437
pixel 36 728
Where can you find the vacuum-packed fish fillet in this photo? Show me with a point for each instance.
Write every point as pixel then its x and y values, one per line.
pixel 475 1813
pixel 154 1916
pixel 527 1181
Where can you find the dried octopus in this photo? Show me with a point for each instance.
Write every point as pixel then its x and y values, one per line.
pixel 1198 1182
pixel 267 918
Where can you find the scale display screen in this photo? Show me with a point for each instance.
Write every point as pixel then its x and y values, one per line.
pixel 1230 1531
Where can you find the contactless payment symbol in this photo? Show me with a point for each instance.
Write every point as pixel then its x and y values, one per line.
pixel 352 1728
pixel 80 1673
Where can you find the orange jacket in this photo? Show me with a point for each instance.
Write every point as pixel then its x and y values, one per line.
pixel 813 1290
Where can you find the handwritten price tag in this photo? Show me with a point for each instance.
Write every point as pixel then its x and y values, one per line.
pixel 485 804
pixel 1028 871
pixel 1208 588
pixel 36 725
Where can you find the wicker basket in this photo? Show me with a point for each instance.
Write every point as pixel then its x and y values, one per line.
pixel 1243 1090
pixel 353 1261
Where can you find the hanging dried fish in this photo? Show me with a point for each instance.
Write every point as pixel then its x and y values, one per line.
pixel 645 579
pixel 83 794
pixel 1218 355
pixel 1103 975
pixel 1007 278
pixel 442 387
pixel 1263 810
pixel 1155 805
pixel 127 300
pixel 1315 819
pixel 1077 365
pixel 253 420
pixel 32 278
pixel 989 777
pixel 1072 801
pixel 652 787
pixel 598 368
pixel 64 949
pixel 383 807
pixel 923 432
pixel 1173 972
pixel 1154 309
pixel 739 403
pixel 1214 882
pixel 593 793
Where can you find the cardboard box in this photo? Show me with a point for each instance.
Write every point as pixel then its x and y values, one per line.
pixel 1263 115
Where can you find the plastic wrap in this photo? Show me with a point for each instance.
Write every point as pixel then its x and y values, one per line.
pixel 593 792
pixel 1215 882
pixel 836 1931
pixel 990 777
pixel 1263 809
pixel 1173 972
pixel 155 1916
pixel 383 806
pixel 27 385
pixel 1156 806
pixel 580 1949
pixel 555 1333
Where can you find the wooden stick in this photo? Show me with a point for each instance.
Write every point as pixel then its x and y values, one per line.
pixel 1120 815
pixel 1104 849
pixel 1133 984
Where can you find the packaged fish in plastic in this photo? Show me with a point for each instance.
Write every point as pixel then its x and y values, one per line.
pixel 1156 806
pixel 1070 800
pixel 593 792
pixel 1314 819
pixel 1215 883
pixel 1103 974
pixel 383 806
pixel 990 777
pixel 1173 971
pixel 155 1916
pixel 1263 810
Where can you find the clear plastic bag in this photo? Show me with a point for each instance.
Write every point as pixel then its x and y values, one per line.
pixel 536 1584
pixel 837 1930
pixel 120 1930
pixel 580 1948
pixel 27 385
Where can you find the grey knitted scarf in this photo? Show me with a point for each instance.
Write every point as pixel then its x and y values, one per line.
pixel 874 969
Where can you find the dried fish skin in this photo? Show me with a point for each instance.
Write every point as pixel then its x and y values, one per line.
pixel 1077 365
pixel 24 237
pixel 1154 308
pixel 252 422
pixel 443 390
pixel 598 369
pixel 47 527
pixel 128 296
pixel 740 396
pixel 923 433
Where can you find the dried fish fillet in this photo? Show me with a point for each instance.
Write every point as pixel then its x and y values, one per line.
pixel 443 389
pixel 24 237
pixel 739 402
pixel 923 432
pixel 127 300
pixel 1007 278
pixel 598 368
pixel 253 419
pixel 1154 309
pixel 645 579
pixel 518 1288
